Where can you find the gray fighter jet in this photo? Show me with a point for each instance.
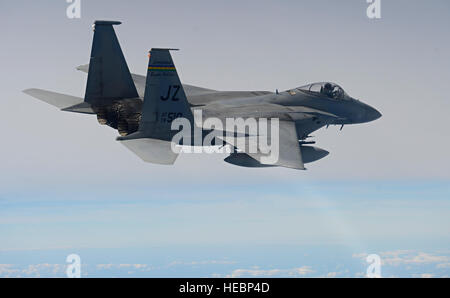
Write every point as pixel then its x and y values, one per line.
pixel 142 109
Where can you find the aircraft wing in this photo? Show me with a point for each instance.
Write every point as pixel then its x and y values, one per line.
pixel 62 101
pixel 289 153
pixel 295 123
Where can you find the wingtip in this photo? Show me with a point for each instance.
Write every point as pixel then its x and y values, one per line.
pixel 83 67
pixel 28 90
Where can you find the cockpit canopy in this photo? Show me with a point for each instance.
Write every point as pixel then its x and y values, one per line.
pixel 328 89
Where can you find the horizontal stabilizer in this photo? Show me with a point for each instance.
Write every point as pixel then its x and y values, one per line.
pixel 151 150
pixel 83 108
pixel 61 101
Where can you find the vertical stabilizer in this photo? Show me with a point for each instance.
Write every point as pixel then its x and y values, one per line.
pixel 164 99
pixel 109 77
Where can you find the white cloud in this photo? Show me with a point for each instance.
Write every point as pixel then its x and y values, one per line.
pixel 411 257
pixel 413 260
pixel 360 255
pixel 142 267
pixel 34 270
pixel 426 275
pixel 408 257
pixel 427 258
pixel 104 266
pixel 207 262
pixel 332 274
pixel 294 272
pixel 7 270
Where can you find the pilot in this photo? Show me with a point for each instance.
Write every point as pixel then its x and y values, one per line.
pixel 328 90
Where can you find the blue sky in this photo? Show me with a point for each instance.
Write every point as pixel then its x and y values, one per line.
pixel 66 186
pixel 250 229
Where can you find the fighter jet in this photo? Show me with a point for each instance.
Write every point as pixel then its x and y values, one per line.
pixel 143 108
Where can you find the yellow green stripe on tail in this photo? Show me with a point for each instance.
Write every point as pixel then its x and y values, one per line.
pixel 161 68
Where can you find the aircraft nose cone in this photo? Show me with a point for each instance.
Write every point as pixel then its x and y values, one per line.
pixel 372 114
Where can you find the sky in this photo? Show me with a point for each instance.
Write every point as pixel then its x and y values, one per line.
pixel 66 185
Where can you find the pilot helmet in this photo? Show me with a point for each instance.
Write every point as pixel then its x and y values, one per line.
pixel 328 86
